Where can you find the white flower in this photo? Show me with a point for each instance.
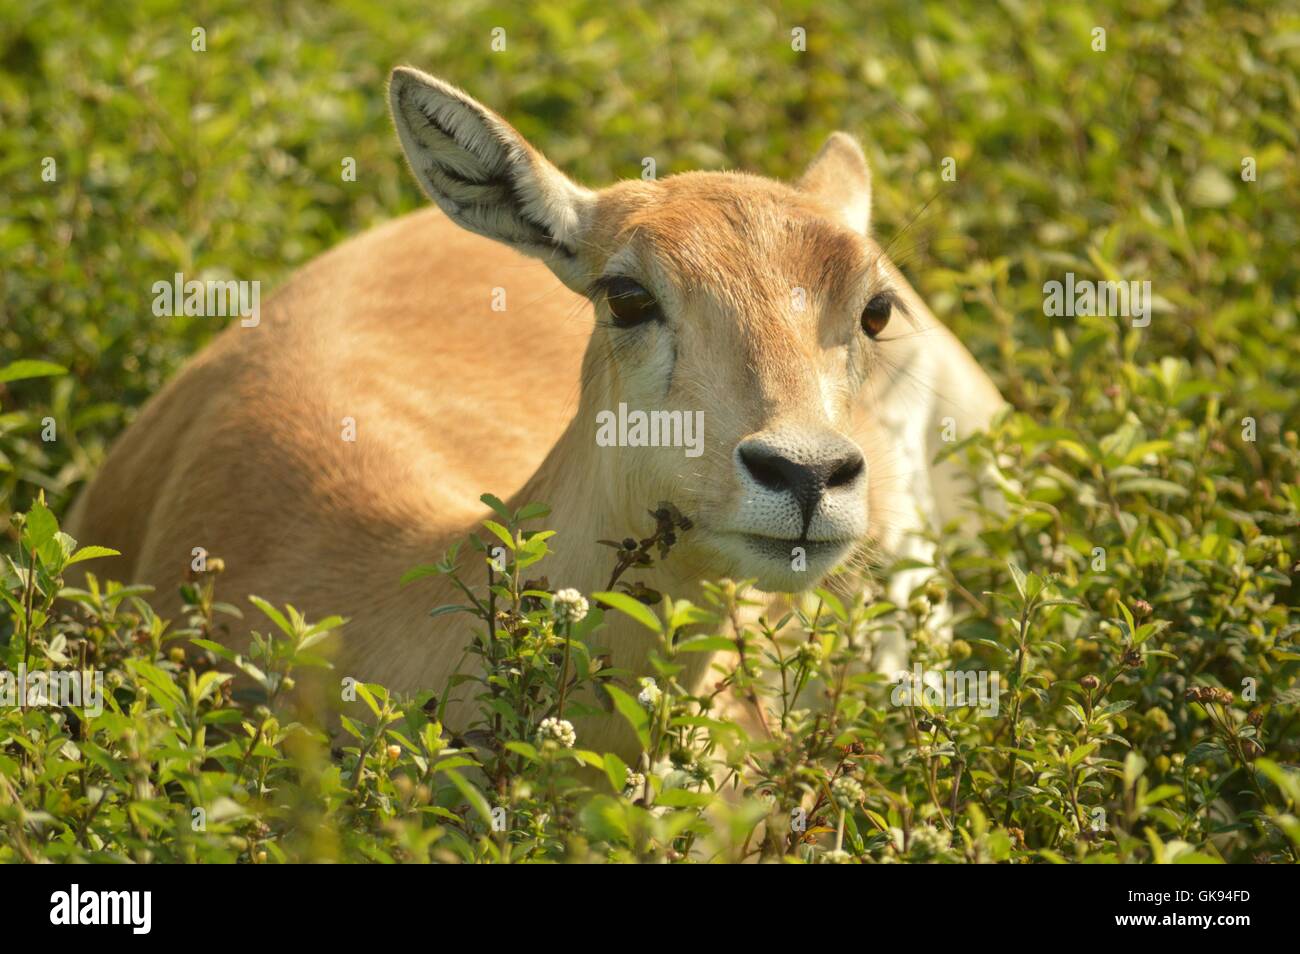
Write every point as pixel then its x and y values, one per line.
pixel 557 730
pixel 837 857
pixel 810 654
pixel 846 791
pixel 928 841
pixel 635 782
pixel 650 693
pixel 570 606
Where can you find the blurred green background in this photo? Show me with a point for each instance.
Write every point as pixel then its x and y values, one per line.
pixel 226 163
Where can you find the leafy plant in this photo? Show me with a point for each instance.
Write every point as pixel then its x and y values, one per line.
pixel 1131 579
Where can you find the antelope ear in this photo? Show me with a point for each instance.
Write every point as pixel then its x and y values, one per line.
pixel 840 176
pixel 486 176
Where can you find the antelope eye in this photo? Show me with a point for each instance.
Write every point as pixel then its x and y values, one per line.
pixel 876 315
pixel 630 304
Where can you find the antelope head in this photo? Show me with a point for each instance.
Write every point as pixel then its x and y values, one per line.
pixel 752 307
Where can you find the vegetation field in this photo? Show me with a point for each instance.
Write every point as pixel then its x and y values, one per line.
pixel 1134 591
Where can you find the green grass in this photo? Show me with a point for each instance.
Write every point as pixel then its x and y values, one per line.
pixel 1122 164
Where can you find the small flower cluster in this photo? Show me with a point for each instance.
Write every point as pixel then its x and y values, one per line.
pixel 650 693
pixel 809 654
pixel 559 731
pixel 1207 694
pixel 847 792
pixel 927 841
pixel 569 606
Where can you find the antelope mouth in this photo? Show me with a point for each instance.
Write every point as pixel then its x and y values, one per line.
pixel 779 548
pixel 780 564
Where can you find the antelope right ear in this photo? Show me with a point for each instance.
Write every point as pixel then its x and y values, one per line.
pixel 486 176
pixel 840 176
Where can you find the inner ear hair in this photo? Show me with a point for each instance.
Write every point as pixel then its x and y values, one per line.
pixel 480 171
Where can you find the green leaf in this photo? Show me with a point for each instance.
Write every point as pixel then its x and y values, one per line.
pixel 501 533
pixel 534 511
pixel 604 820
pixel 221 651
pixel 616 771
pixel 322 627
pixel 27 368
pixel 631 607
pixel 91 553
pixel 1287 781
pixel 500 509
pixel 419 572
pixel 1134 766
pixel 452 608
pixel 1147 447
pixel 1160 793
pixel 833 602
pixel 633 712
pixel 586 757
pixel 1151 485
pixel 685 613
pixel 524 749
pixel 1128 618
pixel 161 688
pixel 1081 753
pixel 367 697
pixel 472 795
pixel 274 614
pixel 1203 752
pixel 705 644
pixel 39 527
pixel 1112 708
pixel 1017 577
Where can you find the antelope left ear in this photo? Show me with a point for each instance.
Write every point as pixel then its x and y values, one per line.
pixel 839 176
pixel 485 176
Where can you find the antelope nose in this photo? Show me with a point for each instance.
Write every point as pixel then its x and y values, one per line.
pixel 806 479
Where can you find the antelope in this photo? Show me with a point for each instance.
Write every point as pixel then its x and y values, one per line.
pixel 765 311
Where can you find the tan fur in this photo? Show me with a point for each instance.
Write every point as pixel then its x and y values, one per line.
pixel 242 453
